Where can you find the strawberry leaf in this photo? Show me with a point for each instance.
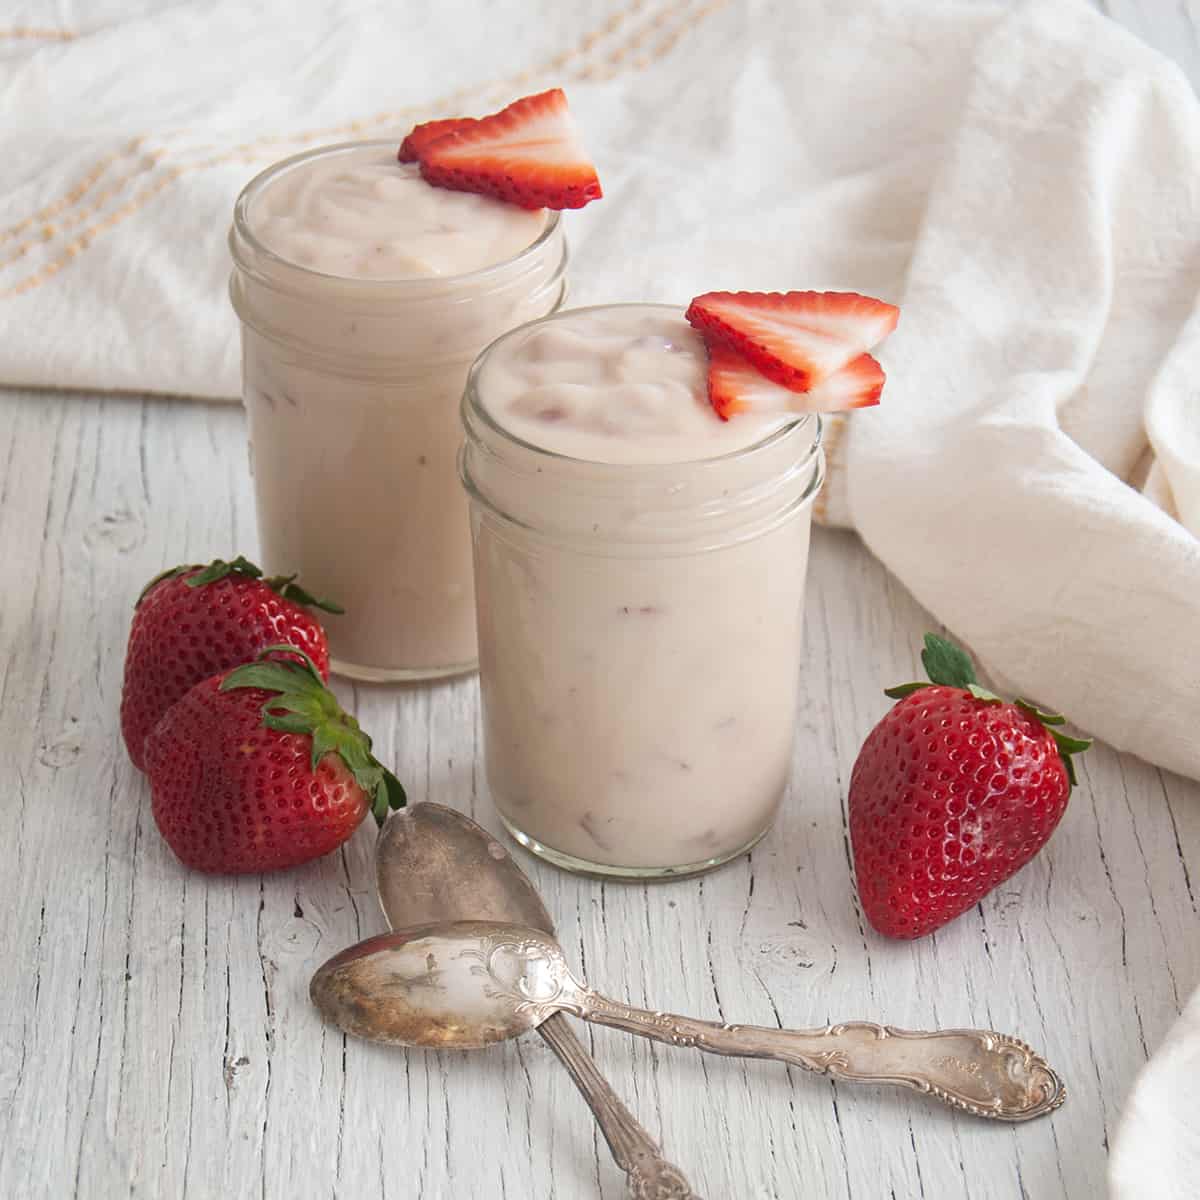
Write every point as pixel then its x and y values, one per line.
pixel 946 663
pixel 283 585
pixel 294 652
pixel 1068 744
pixel 260 675
pixel 272 675
pixel 950 666
pixel 300 703
pixel 379 803
pixel 389 794
pixel 326 740
pixel 287 587
pixel 903 689
pixel 219 568
pixel 169 573
pixel 397 797
pixel 1037 714
pixel 286 722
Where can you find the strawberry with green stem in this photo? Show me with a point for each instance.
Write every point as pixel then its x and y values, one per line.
pixel 952 792
pixel 261 768
pixel 192 621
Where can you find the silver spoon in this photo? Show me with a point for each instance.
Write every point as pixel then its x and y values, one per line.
pixel 469 983
pixel 433 864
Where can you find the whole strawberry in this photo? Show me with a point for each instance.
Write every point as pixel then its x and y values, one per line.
pixel 952 792
pixel 192 621
pixel 260 768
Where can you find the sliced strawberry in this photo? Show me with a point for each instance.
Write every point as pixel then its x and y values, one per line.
pixel 735 386
pixel 429 131
pixel 528 154
pixel 859 384
pixel 796 339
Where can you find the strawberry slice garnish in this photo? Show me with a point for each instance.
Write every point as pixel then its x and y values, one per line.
pixel 429 131
pixel 859 384
pixel 528 154
pixel 796 339
pixel 735 386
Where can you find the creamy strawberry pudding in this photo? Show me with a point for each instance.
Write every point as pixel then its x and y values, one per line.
pixel 357 213
pixel 639 566
pixel 364 294
pixel 366 286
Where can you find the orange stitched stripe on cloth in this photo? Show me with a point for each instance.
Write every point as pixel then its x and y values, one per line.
pixel 45 35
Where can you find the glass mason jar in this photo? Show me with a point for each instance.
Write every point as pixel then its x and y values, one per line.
pixel 639 636
pixel 351 388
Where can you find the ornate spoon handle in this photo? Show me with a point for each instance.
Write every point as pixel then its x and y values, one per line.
pixel 986 1074
pixel 651 1177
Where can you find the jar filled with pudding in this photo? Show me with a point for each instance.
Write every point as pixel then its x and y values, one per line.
pixel 639 572
pixel 364 294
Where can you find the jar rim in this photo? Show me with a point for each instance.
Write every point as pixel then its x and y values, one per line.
pixel 473 410
pixel 608 547
pixel 242 232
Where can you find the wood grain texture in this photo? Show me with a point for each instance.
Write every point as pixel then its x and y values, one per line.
pixel 157 1040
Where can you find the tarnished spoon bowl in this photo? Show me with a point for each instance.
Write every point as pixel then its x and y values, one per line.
pixel 435 985
pixel 435 864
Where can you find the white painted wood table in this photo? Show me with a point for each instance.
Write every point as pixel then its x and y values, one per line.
pixel 157 1039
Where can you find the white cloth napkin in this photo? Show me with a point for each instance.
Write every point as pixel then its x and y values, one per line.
pixel 1024 181
pixel 1156 1154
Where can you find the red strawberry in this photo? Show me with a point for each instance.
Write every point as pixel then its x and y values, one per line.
pixel 952 792
pixel 735 386
pixel 260 769
pixel 796 339
pixel 528 154
pixel 429 131
pixel 191 622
